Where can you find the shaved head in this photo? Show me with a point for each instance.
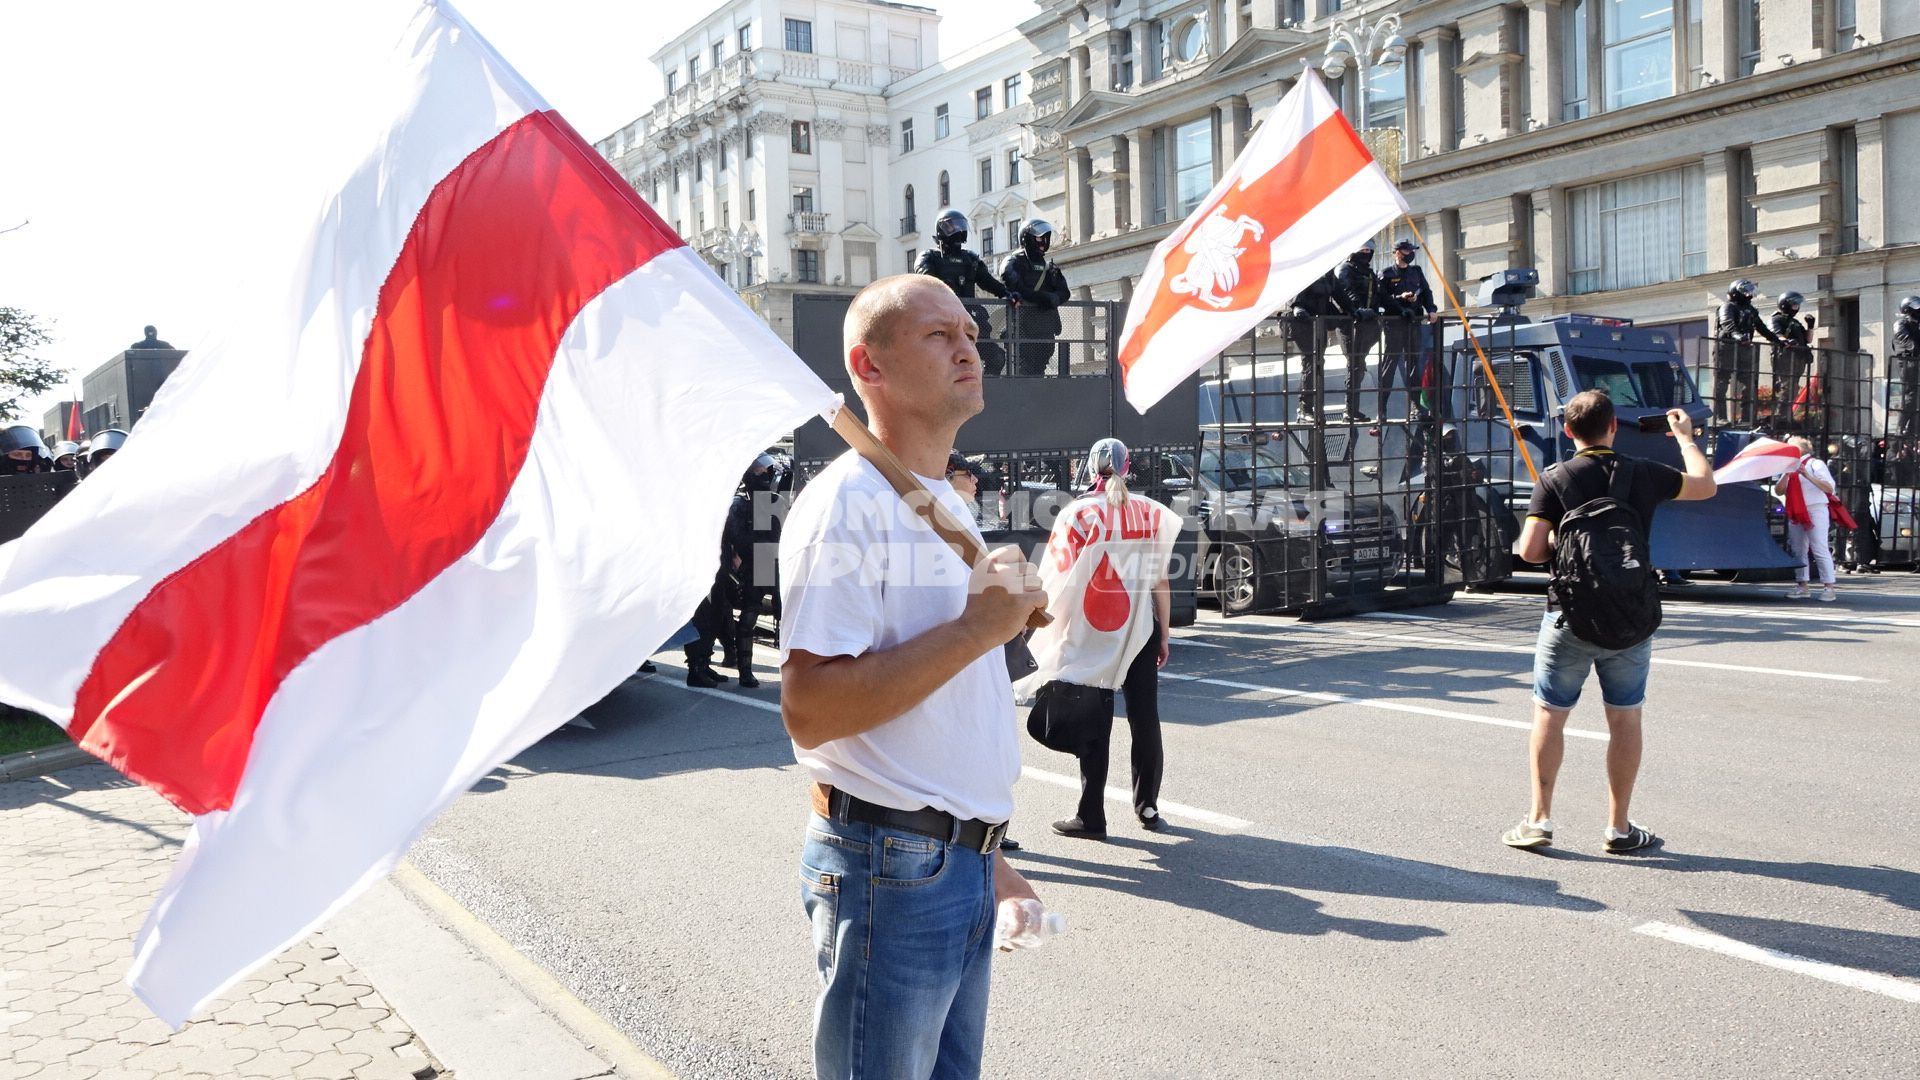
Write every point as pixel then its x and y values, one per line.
pixel 875 315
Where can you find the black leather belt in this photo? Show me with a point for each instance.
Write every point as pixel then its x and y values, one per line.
pixel 975 835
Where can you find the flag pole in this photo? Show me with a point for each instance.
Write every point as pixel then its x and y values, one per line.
pixel 1485 364
pixel 908 486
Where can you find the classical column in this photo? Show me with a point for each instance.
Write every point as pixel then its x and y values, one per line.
pixel 1140 180
pixel 1870 171
pixel 1233 122
pixel 1550 240
pixel 1723 211
pixel 1437 77
pixel 1106 160
pixel 1544 82
pixel 1719 47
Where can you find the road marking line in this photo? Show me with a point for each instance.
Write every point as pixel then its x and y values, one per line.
pixel 1398 616
pixel 1195 644
pixel 1376 703
pixel 1477 646
pixel 1887 985
pixel 1114 794
pixel 1764 605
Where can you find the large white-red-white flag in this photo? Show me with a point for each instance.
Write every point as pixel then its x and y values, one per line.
pixel 453 536
pixel 1299 198
pixel 1761 459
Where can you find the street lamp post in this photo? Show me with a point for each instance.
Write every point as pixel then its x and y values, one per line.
pixel 1367 46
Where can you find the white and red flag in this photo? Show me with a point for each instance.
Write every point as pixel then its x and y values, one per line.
pixel 511 408
pixel 1301 197
pixel 1762 459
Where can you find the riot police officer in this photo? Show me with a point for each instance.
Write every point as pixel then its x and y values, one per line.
pixel 1359 331
pixel 1792 360
pixel 751 544
pixel 103 446
pixel 22 452
pixel 1736 361
pixel 1407 305
pixel 66 456
pixel 1037 289
pixel 963 271
pixel 1308 317
pixel 1903 362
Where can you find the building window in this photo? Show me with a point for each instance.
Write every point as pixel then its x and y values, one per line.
pixel 1696 36
pixel 719 50
pixel 1013 236
pixel 803 200
pixel 721 155
pixel 751 208
pixel 906 136
pixel 907 223
pixel 1010 91
pixel 986 240
pixel 983 103
pixel 699 167
pixel 1156 49
pixel 1013 167
pixel 1455 57
pixel 744 37
pixel 1745 187
pixel 676 178
pixel 1847 155
pixel 1846 25
pixel 747 146
pixel 1329 7
pixel 1747 14
pixel 1573 63
pixel 946 190
pixel 801 137
pixel 1642 230
pixel 673 81
pixel 799 35
pixel 806 266
pixel 1294 11
pixel 693 70
pixel 942 123
pixel 1189 39
pixel 986 175
pixel 1387 97
pixel 1637 51
pixel 656 192
pixel 726 215
pixel 1192 164
pixel 1120 64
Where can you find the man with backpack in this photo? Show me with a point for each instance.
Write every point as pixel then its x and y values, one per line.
pixel 1592 515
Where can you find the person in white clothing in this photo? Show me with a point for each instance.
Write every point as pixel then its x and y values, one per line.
pixel 1106 576
pixel 895 691
pixel 1807 519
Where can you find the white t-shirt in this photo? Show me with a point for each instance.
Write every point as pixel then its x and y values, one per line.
pixel 1099 571
pixel 860 571
pixel 1816 499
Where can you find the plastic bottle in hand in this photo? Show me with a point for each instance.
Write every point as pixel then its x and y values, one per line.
pixel 1025 924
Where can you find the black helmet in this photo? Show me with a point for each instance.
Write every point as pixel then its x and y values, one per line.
pixel 1910 307
pixel 21 450
pixel 1790 301
pixel 1037 234
pixel 950 227
pixel 760 475
pixel 1741 288
pixel 104 446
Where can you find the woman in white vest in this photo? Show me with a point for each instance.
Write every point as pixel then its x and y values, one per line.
pixel 1106 577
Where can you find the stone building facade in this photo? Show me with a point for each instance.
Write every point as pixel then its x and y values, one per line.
pixel 1639 153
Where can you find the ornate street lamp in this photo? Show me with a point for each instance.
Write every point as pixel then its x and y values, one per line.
pixel 1367 47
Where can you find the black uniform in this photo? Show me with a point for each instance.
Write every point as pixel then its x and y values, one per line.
pixel 1792 359
pixel 752 535
pixel 1308 317
pixel 1736 360
pixel 1359 331
pixel 963 271
pixel 1903 363
pixel 1039 288
pixel 1404 322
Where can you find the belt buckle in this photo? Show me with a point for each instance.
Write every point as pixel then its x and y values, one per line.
pixel 995 833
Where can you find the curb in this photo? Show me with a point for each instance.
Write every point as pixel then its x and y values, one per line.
pixel 40 762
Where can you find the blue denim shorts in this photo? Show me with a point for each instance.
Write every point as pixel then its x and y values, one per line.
pixel 1561 662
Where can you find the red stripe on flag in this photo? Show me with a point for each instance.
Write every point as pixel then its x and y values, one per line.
pixel 508 249
pixel 1329 156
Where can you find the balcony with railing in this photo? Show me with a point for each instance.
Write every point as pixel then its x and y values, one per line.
pixel 806 223
pixel 909 225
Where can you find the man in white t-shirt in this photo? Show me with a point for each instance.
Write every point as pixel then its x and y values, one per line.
pixel 895 691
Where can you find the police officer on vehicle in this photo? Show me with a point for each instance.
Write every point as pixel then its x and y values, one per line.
pixel 1407 303
pixel 1903 362
pixel 752 543
pixel 1736 361
pixel 963 271
pixel 1037 288
pixel 1361 295
pixel 1792 361
pixel 23 451
pixel 1308 317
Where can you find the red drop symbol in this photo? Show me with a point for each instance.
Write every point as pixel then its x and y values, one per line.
pixel 1106 603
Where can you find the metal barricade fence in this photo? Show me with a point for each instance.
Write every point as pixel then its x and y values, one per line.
pixel 1024 342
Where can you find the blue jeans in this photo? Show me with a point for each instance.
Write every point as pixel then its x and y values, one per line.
pixel 903 937
pixel 1561 662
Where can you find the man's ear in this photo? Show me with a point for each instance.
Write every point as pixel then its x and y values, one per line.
pixel 861 366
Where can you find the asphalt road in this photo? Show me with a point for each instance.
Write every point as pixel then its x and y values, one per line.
pixel 1333 900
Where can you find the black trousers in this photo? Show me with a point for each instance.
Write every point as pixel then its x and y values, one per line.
pixel 753 600
pixel 1403 361
pixel 1736 366
pixel 711 623
pixel 1357 337
pixel 1142 692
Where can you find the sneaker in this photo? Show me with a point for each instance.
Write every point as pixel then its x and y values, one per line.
pixel 1827 595
pixel 1073 826
pixel 1529 834
pixel 1634 839
pixel 1799 593
pixel 1355 416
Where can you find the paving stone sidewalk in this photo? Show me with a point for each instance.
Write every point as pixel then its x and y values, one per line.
pixel 82 854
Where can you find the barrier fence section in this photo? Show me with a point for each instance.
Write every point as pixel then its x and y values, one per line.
pixel 1073 339
pixel 1859 420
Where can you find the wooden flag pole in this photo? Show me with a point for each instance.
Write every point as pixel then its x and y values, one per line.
pixel 915 494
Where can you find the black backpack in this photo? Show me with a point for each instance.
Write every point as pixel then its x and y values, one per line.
pixel 1603 577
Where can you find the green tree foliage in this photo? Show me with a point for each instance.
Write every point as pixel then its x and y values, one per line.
pixel 22 374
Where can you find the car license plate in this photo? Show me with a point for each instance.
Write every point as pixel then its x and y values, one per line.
pixel 1367 554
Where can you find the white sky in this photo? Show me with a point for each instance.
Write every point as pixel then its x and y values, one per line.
pixel 152 146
